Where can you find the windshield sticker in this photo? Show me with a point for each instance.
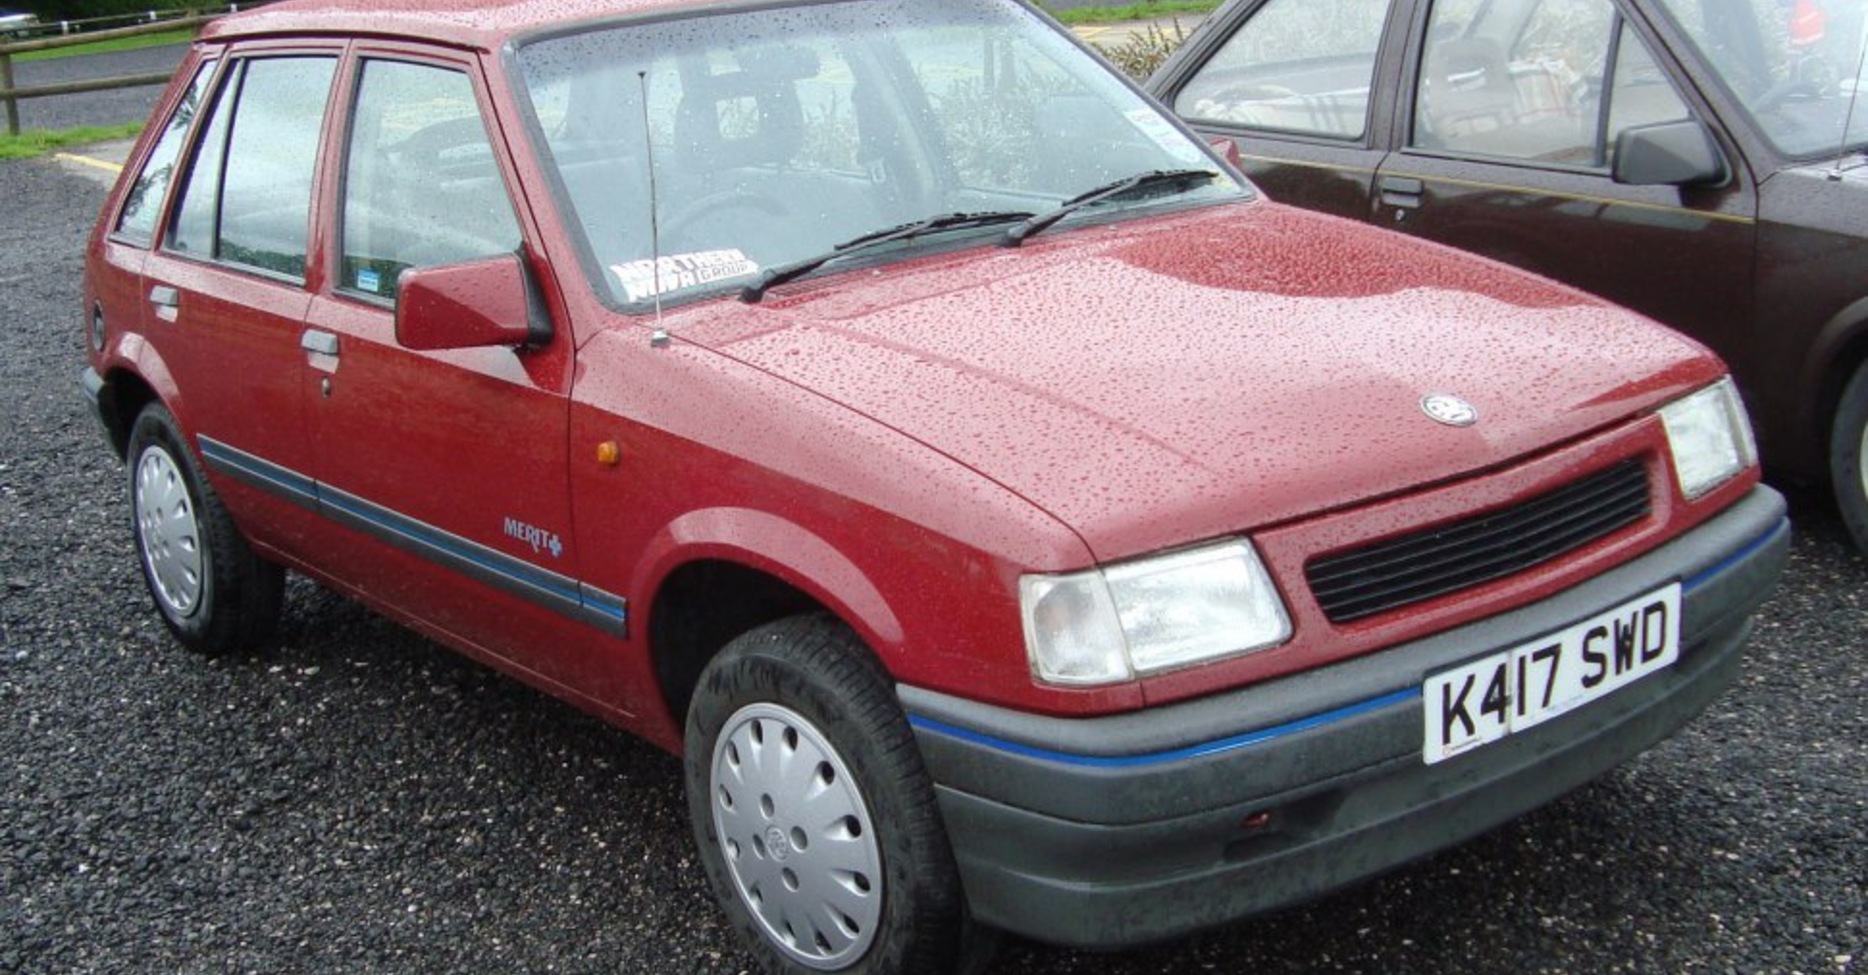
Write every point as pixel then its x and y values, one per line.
pixel 369 280
pixel 1163 133
pixel 678 271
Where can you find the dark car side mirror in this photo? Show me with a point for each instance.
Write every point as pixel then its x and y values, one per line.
pixel 468 305
pixel 1668 154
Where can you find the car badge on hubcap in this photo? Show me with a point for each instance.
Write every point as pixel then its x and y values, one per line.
pixel 1450 410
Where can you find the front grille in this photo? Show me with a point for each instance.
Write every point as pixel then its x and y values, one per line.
pixel 1414 568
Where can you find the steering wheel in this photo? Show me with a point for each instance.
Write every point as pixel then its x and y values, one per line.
pixel 724 204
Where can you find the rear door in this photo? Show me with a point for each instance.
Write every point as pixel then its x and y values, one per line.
pixel 1508 127
pixel 225 294
pixel 1305 88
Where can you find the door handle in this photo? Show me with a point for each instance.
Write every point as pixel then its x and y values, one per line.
pixel 1401 191
pixel 168 302
pixel 318 342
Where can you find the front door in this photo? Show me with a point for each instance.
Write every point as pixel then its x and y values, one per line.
pixel 1509 130
pixel 448 467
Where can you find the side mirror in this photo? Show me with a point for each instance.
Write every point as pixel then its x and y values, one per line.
pixel 1668 154
pixel 468 305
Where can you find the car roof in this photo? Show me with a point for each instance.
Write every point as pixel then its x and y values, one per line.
pixel 482 24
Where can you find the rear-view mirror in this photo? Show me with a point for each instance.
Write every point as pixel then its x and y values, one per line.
pixel 1668 154
pixel 467 305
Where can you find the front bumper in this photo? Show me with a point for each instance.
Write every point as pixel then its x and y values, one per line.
pixel 1115 831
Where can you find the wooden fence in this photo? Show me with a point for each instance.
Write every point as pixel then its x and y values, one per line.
pixel 13 96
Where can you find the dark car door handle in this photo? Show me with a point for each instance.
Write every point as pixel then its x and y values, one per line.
pixel 318 342
pixel 163 296
pixel 1400 191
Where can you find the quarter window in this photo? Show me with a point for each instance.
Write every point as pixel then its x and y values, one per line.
pixel 137 222
pixel 1303 66
pixel 421 187
pixel 248 197
pixel 1555 84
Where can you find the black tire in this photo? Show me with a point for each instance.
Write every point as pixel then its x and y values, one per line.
pixel 214 593
pixel 808 686
pixel 1848 457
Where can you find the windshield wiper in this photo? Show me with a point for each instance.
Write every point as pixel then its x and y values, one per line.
pixel 1183 179
pixel 775 276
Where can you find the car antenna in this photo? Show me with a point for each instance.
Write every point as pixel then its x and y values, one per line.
pixel 658 338
pixel 1855 94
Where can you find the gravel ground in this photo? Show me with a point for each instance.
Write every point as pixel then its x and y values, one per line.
pixel 93 108
pixel 363 801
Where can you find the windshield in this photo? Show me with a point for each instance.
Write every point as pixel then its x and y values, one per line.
pixel 777 134
pixel 1795 64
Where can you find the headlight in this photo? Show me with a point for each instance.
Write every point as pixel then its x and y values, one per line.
pixel 1110 624
pixel 1710 438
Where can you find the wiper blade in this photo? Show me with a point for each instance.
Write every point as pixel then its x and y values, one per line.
pixel 1183 179
pixel 776 276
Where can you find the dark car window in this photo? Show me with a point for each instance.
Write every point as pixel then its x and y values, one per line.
pixel 137 222
pixel 1527 80
pixel 248 197
pixel 1302 66
pixel 421 187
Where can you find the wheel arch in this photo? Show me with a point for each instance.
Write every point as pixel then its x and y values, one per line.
pixel 734 570
pixel 124 396
pixel 134 377
pixel 1841 348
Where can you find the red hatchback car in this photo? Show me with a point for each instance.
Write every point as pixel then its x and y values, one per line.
pixel 1014 521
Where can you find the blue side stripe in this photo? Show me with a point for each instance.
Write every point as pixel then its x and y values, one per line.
pixel 431 538
pixel 1726 563
pixel 297 486
pixel 579 600
pixel 1202 750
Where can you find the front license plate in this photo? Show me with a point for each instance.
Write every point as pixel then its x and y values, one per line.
pixel 1486 699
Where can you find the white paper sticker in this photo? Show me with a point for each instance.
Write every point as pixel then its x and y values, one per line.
pixel 677 271
pixel 1163 133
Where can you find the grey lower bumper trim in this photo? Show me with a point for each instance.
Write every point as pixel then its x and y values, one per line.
pixel 1115 853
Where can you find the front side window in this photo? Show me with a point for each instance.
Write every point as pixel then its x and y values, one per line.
pixel 137 222
pixel 1302 66
pixel 248 197
pixel 421 187
pixel 762 137
pixel 1554 82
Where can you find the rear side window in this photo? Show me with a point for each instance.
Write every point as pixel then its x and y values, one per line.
pixel 421 187
pixel 137 222
pixel 1303 66
pixel 248 196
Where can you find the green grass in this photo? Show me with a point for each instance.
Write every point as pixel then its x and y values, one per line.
pixel 136 43
pixel 28 144
pixel 1134 11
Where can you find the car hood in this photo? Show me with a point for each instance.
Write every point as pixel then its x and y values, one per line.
pixel 1155 382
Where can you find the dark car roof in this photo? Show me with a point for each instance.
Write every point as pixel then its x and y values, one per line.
pixel 483 24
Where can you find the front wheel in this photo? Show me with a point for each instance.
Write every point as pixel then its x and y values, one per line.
pixel 1848 457
pixel 214 593
pixel 816 819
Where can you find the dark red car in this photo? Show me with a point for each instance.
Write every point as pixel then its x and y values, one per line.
pixel 1014 520
pixel 1697 160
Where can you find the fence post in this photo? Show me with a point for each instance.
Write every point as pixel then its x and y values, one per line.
pixel 12 104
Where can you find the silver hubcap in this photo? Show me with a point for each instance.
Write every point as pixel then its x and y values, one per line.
pixel 797 836
pixel 171 537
